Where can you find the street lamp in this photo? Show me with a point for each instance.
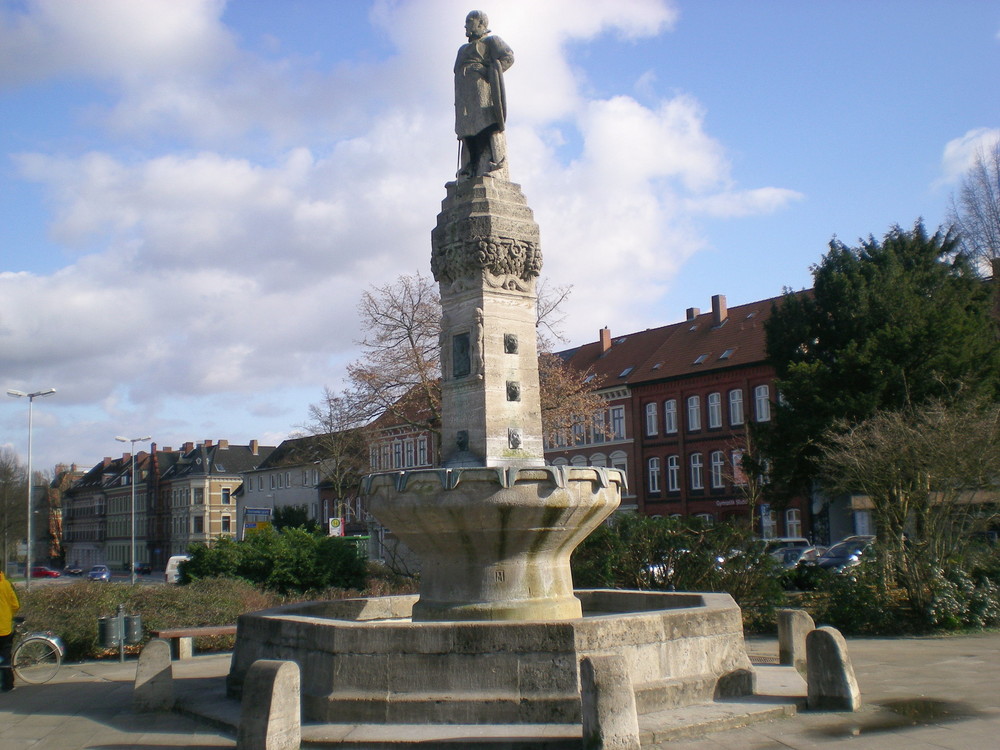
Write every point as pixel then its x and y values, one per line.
pixel 133 441
pixel 31 399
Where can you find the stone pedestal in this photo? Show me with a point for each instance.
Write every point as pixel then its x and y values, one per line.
pixel 486 258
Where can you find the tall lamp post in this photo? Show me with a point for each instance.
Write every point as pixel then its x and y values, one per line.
pixel 133 441
pixel 31 399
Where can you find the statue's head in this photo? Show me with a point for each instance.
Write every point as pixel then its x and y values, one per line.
pixel 477 24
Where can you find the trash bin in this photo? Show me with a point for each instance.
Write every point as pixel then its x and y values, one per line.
pixel 133 629
pixel 109 631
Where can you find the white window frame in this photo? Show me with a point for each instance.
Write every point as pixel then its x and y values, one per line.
pixel 670 416
pixel 762 403
pixel 793 522
pixel 718 463
pixel 673 473
pixel 697 465
pixel 653 474
pixel 736 407
pixel 652 428
pixel 618 422
pixel 694 413
pixel 422 451
pixel 714 410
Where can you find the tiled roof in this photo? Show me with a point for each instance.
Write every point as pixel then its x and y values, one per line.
pixel 691 347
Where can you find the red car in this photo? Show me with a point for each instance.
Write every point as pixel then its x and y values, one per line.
pixel 40 571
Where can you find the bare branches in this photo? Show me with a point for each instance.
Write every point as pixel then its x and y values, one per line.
pixel 976 213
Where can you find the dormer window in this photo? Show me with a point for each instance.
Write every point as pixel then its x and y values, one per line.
pixel 727 354
pixel 626 372
pixel 700 359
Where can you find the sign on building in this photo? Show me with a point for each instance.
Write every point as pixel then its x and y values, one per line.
pixel 256 519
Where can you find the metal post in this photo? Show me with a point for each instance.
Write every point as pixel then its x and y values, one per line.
pixel 121 633
pixel 133 441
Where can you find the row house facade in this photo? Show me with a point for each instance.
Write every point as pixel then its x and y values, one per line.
pixel 302 472
pixel 684 396
pixel 181 497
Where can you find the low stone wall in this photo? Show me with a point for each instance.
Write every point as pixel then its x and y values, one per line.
pixel 362 662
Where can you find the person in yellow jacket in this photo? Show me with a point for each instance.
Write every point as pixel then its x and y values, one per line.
pixel 8 608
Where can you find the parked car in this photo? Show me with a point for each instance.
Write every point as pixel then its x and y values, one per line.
pixel 99 573
pixel 790 557
pixel 41 571
pixel 73 570
pixel 143 569
pixel 784 542
pixel 845 554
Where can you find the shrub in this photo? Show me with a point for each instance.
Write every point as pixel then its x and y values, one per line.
pixel 640 552
pixel 859 601
pixel 293 560
pixel 71 611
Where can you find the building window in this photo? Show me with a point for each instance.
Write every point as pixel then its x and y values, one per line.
pixel 618 422
pixel 718 462
pixel 397 454
pixel 706 518
pixel 619 461
pixel 226 525
pixel 373 458
pixel 598 430
pixel 739 476
pixel 579 432
pixel 694 413
pixel 274 481
pixel 227 496
pixel 422 451
pixel 385 452
pixel 651 427
pixel 670 416
pixel 736 406
pixel 654 475
pixel 288 479
pixel 410 454
pixel 793 522
pixel 697 480
pixel 714 410
pixel 260 483
pixel 199 495
pixel 598 459
pixel 762 403
pixel 199 524
pixel 768 524
pixel 673 474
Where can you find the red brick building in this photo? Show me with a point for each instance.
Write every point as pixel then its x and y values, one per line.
pixel 680 398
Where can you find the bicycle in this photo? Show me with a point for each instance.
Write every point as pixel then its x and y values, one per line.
pixel 36 657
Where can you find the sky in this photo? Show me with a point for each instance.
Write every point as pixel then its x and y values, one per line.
pixel 195 193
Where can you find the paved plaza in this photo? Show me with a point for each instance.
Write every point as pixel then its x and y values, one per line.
pixel 919 693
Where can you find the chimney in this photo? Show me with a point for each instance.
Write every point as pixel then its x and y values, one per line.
pixel 168 449
pixel 223 445
pixel 208 443
pixel 719 310
pixel 187 447
pixel 126 457
pixel 605 338
pixel 693 312
pixel 254 447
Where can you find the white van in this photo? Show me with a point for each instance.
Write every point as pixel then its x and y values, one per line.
pixel 170 574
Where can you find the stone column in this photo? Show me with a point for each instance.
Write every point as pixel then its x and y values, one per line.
pixel 486 259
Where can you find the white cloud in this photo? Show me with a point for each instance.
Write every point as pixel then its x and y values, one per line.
pixel 960 153
pixel 225 273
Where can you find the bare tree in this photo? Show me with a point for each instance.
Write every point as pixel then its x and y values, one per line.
pixel 400 366
pixel 976 212
pixel 930 474
pixel 13 501
pixel 340 440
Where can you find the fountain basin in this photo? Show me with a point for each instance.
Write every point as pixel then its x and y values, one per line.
pixel 362 661
pixel 494 543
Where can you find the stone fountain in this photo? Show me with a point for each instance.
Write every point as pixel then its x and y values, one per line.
pixel 497 632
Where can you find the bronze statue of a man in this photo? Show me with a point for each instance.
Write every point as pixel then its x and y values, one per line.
pixel 480 101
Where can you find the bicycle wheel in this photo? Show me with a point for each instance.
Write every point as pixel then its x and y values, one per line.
pixel 36 660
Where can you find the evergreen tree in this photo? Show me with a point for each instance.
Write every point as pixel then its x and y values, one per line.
pixel 887 325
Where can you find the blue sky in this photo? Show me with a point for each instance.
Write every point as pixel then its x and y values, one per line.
pixel 194 193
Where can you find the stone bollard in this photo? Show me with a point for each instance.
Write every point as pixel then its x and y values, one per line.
pixel 793 627
pixel 270 713
pixel 829 673
pixel 154 678
pixel 608 704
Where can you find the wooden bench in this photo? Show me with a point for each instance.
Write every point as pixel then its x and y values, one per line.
pixel 182 639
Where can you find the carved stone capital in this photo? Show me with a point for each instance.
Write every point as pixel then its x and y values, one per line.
pixel 502 262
